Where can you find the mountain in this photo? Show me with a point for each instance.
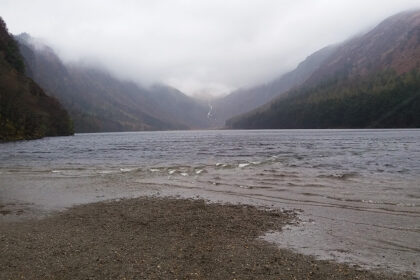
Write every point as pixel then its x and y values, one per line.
pixel 244 100
pixel 99 102
pixel 26 112
pixel 369 81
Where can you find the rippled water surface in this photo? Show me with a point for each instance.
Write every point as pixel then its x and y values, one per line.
pixel 359 190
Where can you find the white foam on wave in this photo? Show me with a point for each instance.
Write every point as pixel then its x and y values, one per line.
pixel 123 170
pixel 106 172
pixel 242 165
pixel 56 171
pixel 199 171
pixel 408 204
pixel 154 170
pixel 171 171
pixel 184 174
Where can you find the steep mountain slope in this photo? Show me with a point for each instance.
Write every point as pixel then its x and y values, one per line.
pixel 244 100
pixel 99 102
pixel 26 112
pixel 369 81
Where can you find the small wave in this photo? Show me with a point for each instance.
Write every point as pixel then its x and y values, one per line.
pixel 314 186
pixel 369 201
pixel 310 194
pixel 242 165
pixel 199 171
pixel 408 204
pixel 404 170
pixel 171 171
pixel 124 170
pixel 154 170
pixel 106 171
pixel 343 176
pixel 184 174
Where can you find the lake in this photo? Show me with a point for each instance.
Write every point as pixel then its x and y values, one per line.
pixel 357 192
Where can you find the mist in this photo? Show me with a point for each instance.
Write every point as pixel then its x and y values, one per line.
pixel 204 48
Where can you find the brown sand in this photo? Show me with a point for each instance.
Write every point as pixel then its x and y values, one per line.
pixel 155 238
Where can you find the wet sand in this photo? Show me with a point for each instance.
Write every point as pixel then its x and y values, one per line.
pixel 159 238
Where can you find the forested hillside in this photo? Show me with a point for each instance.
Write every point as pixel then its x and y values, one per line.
pixel 370 81
pixel 26 112
pixel 385 100
pixel 244 100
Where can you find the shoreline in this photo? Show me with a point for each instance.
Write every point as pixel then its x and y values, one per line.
pixel 160 238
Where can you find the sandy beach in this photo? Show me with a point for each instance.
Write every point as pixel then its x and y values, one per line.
pixel 159 238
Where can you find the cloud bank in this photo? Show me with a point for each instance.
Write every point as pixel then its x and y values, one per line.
pixel 199 46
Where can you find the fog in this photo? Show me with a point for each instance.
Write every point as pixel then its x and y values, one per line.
pixel 201 47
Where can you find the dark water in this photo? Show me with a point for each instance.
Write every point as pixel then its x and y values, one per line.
pixel 359 189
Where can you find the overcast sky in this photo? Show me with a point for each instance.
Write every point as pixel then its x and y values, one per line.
pixel 207 46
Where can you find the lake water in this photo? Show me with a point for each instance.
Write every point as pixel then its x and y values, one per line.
pixel 358 190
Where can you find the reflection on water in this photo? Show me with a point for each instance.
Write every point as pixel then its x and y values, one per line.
pixel 359 189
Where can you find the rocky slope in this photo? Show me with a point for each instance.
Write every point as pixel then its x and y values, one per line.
pixel 99 102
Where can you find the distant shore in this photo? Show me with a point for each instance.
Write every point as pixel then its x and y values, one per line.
pixel 156 238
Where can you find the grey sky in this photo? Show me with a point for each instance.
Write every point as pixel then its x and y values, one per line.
pixel 209 46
